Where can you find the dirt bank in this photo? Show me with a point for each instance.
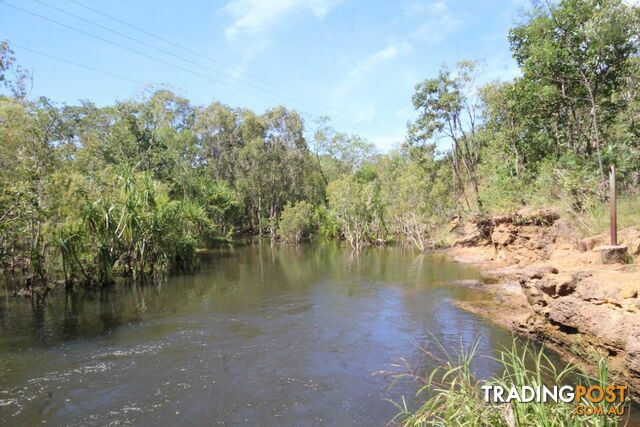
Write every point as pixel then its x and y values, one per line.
pixel 546 282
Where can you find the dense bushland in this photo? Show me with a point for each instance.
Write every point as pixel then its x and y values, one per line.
pixel 88 193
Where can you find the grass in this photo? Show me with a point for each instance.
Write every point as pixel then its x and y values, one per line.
pixel 452 395
pixel 442 237
pixel 596 220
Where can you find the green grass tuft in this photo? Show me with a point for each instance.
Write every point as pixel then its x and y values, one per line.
pixel 453 395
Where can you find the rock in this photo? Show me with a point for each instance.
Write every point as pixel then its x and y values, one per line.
pixel 454 223
pixel 564 311
pixel 632 359
pixel 613 254
pixel 503 235
pixel 534 296
pixel 626 235
pixel 476 232
pixel 634 247
pixel 539 272
pixel 549 287
pixel 471 238
pixel 586 310
pixel 558 285
pixel 501 219
pixel 566 284
pixel 542 216
pixel 473 284
pixel 589 243
pixel 627 293
pixel 564 232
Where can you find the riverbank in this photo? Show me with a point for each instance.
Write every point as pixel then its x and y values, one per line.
pixel 543 280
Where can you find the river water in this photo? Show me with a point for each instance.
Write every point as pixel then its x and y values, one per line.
pixel 257 336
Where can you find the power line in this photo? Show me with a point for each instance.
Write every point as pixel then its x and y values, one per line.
pixel 87 67
pixel 146 44
pixel 121 46
pixel 135 51
pixel 77 64
pixel 95 69
pixel 206 57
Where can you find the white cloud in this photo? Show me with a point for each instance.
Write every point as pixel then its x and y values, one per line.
pixel 256 16
pixel 383 55
pixel 437 21
pixel 367 65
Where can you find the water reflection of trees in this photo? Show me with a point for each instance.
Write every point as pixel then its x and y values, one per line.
pixel 231 280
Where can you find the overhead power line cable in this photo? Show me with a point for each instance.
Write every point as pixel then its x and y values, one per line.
pixel 95 69
pixel 180 67
pixel 121 46
pixel 206 57
pixel 77 64
pixel 99 70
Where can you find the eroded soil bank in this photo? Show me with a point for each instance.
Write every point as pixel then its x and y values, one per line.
pixel 544 281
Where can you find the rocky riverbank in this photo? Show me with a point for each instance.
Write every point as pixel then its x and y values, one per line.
pixel 544 281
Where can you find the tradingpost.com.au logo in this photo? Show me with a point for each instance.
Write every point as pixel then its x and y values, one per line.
pixel 589 400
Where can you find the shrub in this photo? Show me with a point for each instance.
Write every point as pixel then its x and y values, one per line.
pixel 296 222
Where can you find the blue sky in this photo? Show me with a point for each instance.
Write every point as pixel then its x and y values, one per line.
pixel 356 61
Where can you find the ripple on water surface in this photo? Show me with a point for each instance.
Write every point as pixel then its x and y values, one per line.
pixel 265 336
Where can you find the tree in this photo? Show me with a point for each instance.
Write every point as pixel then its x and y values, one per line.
pixel 296 222
pixel 579 51
pixel 357 207
pixel 20 82
pixel 338 153
pixel 276 169
pixel 449 107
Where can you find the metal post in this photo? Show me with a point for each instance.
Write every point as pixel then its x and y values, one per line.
pixel 614 213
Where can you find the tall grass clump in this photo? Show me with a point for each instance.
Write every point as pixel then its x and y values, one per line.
pixel 596 219
pixel 453 396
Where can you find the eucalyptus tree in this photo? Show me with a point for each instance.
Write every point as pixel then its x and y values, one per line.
pixel 449 108
pixel 276 168
pixel 296 222
pixel 28 158
pixel 221 132
pixel 338 153
pixel 356 205
pixel 12 76
pixel 577 52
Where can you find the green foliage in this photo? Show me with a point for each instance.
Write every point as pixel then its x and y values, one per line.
pixel 576 57
pixel 355 203
pixel 91 193
pixel 133 230
pixel 456 397
pixel 548 136
pixel 410 210
pixel 328 227
pixel 296 222
pixel 449 108
pixel 339 153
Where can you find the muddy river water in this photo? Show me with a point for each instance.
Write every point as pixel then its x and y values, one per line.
pixel 257 336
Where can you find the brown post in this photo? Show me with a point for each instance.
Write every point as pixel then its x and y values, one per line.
pixel 614 213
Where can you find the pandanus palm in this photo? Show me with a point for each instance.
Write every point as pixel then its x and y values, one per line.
pixel 101 224
pixel 69 242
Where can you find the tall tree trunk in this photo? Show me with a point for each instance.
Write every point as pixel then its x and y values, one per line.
pixel 594 118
